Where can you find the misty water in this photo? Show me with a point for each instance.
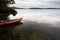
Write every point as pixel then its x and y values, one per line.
pixel 42 21
pixel 38 24
pixel 51 16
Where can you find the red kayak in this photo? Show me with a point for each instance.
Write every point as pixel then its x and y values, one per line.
pixel 10 21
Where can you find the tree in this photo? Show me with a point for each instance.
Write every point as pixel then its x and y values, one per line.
pixel 5 10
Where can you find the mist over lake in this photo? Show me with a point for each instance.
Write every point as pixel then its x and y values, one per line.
pixel 44 23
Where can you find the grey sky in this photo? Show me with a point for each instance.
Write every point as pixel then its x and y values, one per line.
pixel 36 3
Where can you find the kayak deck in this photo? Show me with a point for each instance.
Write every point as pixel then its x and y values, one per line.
pixel 10 21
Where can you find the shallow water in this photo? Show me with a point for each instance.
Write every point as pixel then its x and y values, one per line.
pixel 43 23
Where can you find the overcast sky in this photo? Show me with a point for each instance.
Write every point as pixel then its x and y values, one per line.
pixel 37 0
pixel 36 3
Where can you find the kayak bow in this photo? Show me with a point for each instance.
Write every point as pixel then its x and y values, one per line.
pixel 10 21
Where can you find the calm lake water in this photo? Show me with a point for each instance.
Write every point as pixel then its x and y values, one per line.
pixel 43 23
pixel 51 16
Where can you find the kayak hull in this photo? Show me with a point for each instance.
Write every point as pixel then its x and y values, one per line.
pixel 10 21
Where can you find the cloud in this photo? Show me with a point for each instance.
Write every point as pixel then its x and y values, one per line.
pixel 38 3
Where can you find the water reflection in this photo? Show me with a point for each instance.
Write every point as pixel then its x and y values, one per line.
pixel 37 25
pixel 31 30
pixel 47 31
